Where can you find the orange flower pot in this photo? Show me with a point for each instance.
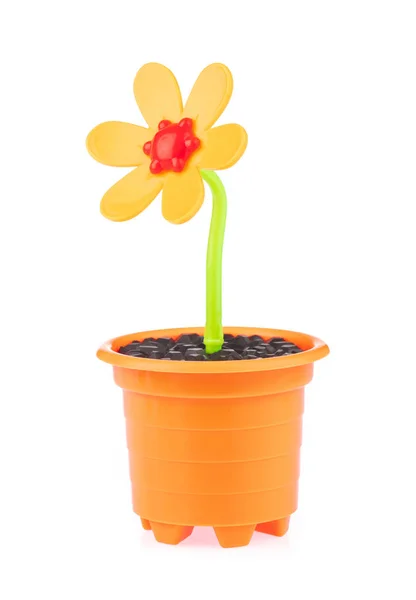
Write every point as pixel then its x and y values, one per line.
pixel 214 443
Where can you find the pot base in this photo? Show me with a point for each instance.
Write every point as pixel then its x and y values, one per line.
pixel 170 534
pixel 228 537
pixel 277 528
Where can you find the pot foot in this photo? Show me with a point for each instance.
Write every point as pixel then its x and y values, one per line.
pixel 231 537
pixel 145 524
pixel 277 528
pixel 170 534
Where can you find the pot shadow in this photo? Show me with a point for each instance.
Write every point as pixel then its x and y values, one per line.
pixel 205 537
pixel 202 537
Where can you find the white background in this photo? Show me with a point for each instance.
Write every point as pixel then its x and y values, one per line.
pixel 320 239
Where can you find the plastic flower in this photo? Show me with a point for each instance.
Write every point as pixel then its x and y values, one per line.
pixel 179 142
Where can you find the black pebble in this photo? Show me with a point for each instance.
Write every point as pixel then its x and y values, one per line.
pixel 230 354
pixel 181 347
pixel 190 338
pixel 249 353
pixel 165 342
pixel 277 341
pixel 239 342
pixel 227 354
pixel 129 348
pixel 280 352
pixel 195 354
pixel 174 355
pixel 269 349
pixel 287 346
pixel 261 350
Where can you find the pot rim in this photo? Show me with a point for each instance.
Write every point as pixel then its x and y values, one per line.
pixel 313 349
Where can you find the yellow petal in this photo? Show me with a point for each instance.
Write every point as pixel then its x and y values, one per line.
pixel 209 96
pixel 118 144
pixel 157 94
pixel 222 147
pixel 132 194
pixel 183 195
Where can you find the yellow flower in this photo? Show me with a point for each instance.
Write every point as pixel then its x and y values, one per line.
pixel 179 142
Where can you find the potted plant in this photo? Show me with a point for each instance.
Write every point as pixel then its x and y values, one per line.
pixel 213 416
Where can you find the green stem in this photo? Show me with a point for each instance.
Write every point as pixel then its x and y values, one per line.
pixel 214 338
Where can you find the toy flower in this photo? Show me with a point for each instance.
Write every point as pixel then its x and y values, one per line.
pixel 178 150
pixel 223 437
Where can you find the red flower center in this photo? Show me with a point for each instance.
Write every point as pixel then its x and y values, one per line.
pixel 172 146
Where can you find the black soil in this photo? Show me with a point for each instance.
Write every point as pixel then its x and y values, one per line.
pixel 190 347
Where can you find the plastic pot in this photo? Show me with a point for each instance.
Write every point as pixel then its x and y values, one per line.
pixel 214 443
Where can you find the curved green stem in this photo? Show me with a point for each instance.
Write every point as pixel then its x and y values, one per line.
pixel 214 338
